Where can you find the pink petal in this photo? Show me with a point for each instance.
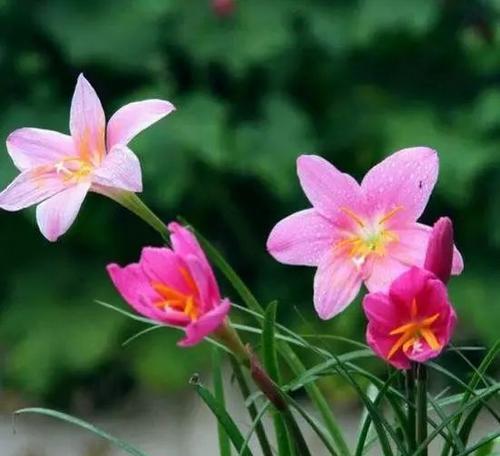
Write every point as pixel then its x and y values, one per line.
pixel 164 266
pixel 56 214
pixel 131 119
pixel 208 298
pixel 382 344
pixel 120 169
pixel 336 284
pixel 135 288
pixel 408 285
pixel 405 179
pixel 206 325
pixel 87 122
pixel 457 265
pixel 384 270
pixel 184 244
pixel 32 147
pixel 329 190
pixel 439 254
pixel 301 238
pixel 31 187
pixel 381 312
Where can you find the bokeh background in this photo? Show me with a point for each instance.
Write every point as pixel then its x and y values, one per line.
pixel 256 83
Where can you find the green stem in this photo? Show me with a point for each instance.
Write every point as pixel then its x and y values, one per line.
pixel 135 205
pixel 412 418
pixel 252 410
pixel 421 405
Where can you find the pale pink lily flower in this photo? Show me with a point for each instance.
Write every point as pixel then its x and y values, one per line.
pixel 176 287
pixel 359 233
pixel 415 320
pixel 58 170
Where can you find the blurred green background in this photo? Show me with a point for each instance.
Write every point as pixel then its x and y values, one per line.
pixel 255 86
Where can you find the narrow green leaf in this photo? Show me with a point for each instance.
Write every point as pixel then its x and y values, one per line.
pixel 83 424
pixel 270 359
pixel 224 444
pixel 252 410
pixel 222 416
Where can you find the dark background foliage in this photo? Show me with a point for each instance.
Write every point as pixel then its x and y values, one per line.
pixel 255 87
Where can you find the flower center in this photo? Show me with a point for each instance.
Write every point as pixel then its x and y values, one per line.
pixel 369 238
pixel 412 333
pixel 73 169
pixel 178 300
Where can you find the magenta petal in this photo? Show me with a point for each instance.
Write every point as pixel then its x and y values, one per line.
pixel 408 285
pixel 31 187
pixel 135 288
pixel 301 238
pixel 405 179
pixel 164 266
pixel 32 147
pixel 87 121
pixel 206 325
pixel 381 312
pixel 56 214
pixel 120 169
pixel 336 284
pixel 381 344
pixel 132 118
pixel 328 189
pixel 207 288
pixel 439 255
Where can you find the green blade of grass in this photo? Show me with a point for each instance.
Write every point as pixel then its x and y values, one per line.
pixel 270 360
pixel 224 443
pixel 222 416
pixel 85 425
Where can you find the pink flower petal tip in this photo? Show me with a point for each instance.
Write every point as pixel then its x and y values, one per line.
pixel 176 287
pixel 58 170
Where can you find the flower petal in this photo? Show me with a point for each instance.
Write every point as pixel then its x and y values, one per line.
pixel 403 180
pixel 409 285
pixel 164 266
pixel 184 244
pixel 32 147
pixel 56 214
pixel 382 344
pixel 132 118
pixel 381 312
pixel 301 238
pixel 383 271
pixel 120 169
pixel 87 122
pixel 329 190
pixel 336 284
pixel 135 288
pixel 31 187
pixel 206 325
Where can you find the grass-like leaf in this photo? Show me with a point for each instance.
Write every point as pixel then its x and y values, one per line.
pixel 224 443
pixel 222 416
pixel 85 425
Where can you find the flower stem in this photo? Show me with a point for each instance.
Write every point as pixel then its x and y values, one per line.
pixel 412 419
pixel 421 405
pixel 135 205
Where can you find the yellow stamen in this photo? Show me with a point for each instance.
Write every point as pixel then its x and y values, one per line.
pixel 412 332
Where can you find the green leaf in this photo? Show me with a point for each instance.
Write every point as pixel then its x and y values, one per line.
pixel 83 424
pixel 224 444
pixel 270 359
pixel 222 416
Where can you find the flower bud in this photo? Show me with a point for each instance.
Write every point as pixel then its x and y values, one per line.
pixel 439 255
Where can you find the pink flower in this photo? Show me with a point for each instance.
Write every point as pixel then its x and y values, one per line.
pixel 413 322
pixel 439 256
pixel 58 170
pixel 357 233
pixel 174 286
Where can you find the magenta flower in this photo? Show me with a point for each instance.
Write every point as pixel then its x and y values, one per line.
pixel 357 233
pixel 175 286
pixel 415 320
pixel 58 170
